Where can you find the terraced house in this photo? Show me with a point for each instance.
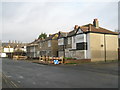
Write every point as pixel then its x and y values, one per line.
pixel 90 41
pixel 45 47
pixel 49 46
pixel 33 49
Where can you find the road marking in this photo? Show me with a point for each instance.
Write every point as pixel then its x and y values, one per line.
pixel 21 77
pixel 9 76
pixel 19 81
pixel 14 84
pixel 7 80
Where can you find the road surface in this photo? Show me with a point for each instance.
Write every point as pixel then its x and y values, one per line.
pixel 0 74
pixel 23 74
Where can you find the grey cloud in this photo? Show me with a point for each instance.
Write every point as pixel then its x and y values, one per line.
pixel 27 20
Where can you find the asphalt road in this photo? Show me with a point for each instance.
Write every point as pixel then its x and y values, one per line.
pixel 23 74
pixel 0 74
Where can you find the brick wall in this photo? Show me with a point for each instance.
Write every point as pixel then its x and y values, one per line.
pixel 54 47
pixel 61 53
pixel 79 54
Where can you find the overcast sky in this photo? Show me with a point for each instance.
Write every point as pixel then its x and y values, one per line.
pixel 24 21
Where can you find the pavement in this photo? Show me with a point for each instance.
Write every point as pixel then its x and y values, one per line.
pixel 24 74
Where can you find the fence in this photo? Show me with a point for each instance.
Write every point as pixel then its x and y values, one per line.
pixel 19 57
pixel 47 59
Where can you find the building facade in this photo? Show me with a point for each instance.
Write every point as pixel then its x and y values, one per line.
pixel 33 49
pixel 90 42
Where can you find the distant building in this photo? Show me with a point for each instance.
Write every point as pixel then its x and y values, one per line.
pixel 11 48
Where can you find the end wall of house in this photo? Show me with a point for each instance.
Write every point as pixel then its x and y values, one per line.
pixel 103 47
pixel 111 47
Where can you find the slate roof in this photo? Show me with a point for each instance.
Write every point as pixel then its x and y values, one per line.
pixel 51 36
pixel 63 34
pixel 5 44
pixel 35 42
pixel 71 33
pixel 13 44
pixel 60 35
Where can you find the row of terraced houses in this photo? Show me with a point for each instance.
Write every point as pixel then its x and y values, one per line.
pixel 89 41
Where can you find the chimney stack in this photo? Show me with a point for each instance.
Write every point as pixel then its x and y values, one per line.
pixel 50 34
pixel 96 23
pixel 76 27
pixel 89 27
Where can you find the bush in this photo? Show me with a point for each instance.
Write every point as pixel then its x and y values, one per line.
pixel 69 58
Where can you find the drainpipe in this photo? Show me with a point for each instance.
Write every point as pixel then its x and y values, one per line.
pixel 64 47
pixel 105 47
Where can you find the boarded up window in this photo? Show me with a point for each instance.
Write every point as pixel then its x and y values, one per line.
pixel 81 46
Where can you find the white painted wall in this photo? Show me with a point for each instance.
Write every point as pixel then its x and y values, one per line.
pixel 88 51
pixel 73 42
pixel 80 38
pixel 8 50
pixel 3 55
pixel 77 39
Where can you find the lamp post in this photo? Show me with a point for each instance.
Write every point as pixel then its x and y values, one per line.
pixel 17 52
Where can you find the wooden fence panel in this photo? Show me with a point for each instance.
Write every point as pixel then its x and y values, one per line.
pixel 50 59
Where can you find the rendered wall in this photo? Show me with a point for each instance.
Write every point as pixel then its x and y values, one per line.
pixel 103 47
pixel 97 51
pixel 111 47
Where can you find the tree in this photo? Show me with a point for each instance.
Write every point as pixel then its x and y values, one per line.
pixel 42 35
